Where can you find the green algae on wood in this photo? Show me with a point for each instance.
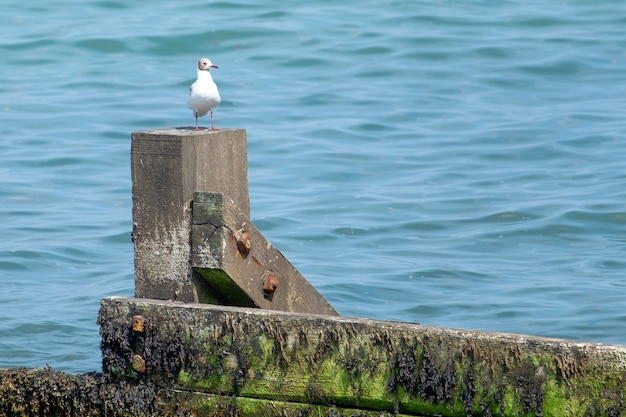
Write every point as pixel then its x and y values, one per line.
pixel 208 405
pixel 42 392
pixel 372 365
pixel 46 392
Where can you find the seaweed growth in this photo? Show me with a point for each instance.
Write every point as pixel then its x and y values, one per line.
pixel 39 392
pixel 136 364
pixel 403 366
pixel 434 385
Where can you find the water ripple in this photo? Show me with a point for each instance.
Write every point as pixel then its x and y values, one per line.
pixel 458 166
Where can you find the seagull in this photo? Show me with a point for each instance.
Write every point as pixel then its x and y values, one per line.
pixel 203 94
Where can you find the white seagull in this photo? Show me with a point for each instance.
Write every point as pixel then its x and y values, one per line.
pixel 203 94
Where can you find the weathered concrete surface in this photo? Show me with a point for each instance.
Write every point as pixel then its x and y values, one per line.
pixel 238 275
pixel 386 367
pixel 167 167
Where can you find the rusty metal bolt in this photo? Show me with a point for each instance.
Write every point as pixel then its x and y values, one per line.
pixel 270 282
pixel 139 324
pixel 244 242
pixel 139 364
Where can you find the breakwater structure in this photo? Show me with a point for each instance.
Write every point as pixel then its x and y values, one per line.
pixel 223 325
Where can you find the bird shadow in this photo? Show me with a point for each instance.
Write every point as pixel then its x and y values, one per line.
pixel 200 128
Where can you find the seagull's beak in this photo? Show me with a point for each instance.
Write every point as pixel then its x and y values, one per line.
pixel 214 66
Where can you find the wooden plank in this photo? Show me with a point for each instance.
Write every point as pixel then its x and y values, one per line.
pixel 218 405
pixel 364 364
pixel 241 266
pixel 168 166
pixel 45 392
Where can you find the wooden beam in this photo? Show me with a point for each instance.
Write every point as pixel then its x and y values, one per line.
pixel 45 392
pixel 196 350
pixel 168 166
pixel 241 266
pixel 223 405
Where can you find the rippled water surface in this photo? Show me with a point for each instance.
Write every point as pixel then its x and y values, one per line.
pixel 451 163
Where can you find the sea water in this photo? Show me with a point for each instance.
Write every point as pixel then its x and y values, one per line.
pixel 452 163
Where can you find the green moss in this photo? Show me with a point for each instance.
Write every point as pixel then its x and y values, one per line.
pixel 555 402
pixel 224 290
pixel 267 346
pixel 247 407
pixel 207 384
pixel 316 361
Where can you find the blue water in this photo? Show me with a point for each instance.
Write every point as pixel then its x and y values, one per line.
pixel 452 163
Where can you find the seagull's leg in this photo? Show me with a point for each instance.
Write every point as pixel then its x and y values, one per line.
pixel 212 127
pixel 196 113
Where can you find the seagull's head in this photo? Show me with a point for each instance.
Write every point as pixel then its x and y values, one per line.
pixel 205 64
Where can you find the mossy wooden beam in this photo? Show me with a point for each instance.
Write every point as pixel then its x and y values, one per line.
pixel 222 405
pixel 45 392
pixel 379 366
pixel 242 268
